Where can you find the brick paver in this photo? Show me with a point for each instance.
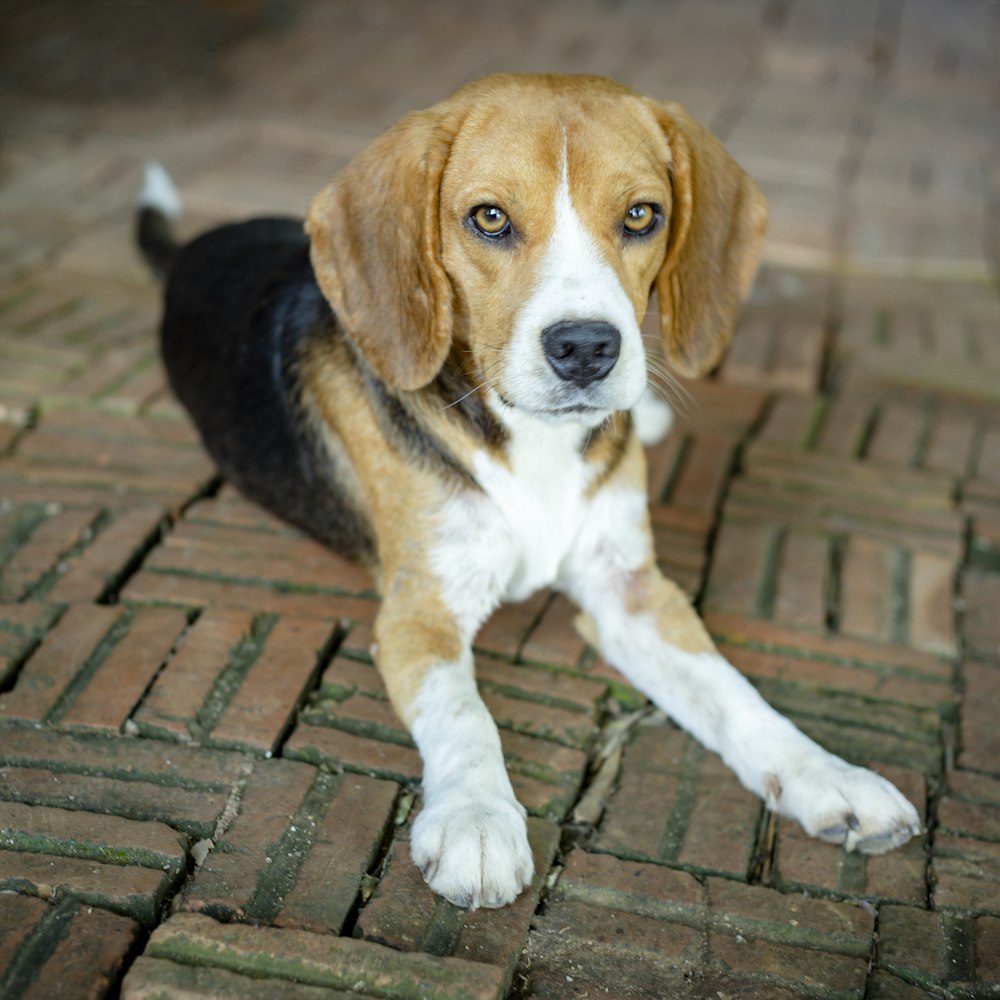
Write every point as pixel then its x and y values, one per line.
pixel 203 789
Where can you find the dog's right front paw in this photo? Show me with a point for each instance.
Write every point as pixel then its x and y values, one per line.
pixel 473 851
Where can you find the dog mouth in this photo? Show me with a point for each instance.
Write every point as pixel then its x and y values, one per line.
pixel 559 412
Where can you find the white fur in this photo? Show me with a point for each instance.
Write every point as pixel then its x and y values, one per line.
pixel 652 417
pixel 574 282
pixel 470 839
pixel 158 191
pixel 713 701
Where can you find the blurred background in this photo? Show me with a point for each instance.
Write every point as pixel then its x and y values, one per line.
pixel 871 124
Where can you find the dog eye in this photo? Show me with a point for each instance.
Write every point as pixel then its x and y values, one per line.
pixel 641 219
pixel 490 220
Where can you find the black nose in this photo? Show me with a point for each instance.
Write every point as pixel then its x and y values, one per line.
pixel 581 352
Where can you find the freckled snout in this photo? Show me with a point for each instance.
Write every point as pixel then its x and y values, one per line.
pixel 581 352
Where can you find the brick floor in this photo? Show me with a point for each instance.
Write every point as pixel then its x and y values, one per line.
pixel 203 789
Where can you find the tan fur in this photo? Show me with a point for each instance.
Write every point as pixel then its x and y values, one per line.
pixel 412 285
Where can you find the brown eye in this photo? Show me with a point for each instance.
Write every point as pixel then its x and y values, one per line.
pixel 641 219
pixel 490 220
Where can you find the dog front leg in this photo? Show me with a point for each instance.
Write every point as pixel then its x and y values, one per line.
pixel 650 633
pixel 470 838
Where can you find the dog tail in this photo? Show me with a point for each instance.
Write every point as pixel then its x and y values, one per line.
pixel 158 204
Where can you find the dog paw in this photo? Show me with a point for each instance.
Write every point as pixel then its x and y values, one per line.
pixel 843 804
pixel 473 851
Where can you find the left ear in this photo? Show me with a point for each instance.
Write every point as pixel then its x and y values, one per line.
pixel 716 237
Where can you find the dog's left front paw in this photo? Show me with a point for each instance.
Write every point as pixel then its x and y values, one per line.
pixel 473 850
pixel 843 804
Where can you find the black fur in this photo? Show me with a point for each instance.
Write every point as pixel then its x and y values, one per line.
pixel 240 304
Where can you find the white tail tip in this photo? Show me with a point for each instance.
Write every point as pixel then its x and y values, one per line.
pixel 158 192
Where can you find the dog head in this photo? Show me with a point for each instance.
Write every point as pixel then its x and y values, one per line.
pixel 525 222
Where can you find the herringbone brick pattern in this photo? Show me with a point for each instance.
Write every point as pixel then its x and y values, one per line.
pixel 203 789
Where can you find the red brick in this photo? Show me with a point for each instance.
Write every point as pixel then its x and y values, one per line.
pixel 18 917
pixel 897 434
pixel 702 816
pixel 90 958
pixel 240 555
pixel 950 444
pixel 931 602
pixel 703 472
pixel 323 744
pixel 734 582
pixel 552 686
pixel 57 662
pixel 118 685
pixel 817 971
pixel 40 554
pixel 866 588
pixel 835 676
pixel 758 912
pixel 800 593
pixel 890 658
pixel 194 592
pixel 981 624
pixel 987 949
pixel 21 626
pixel 263 707
pixel 913 943
pixel 965 873
pixel 90 574
pixel 318 960
pixel 226 881
pixel 342 851
pixel 88 835
pixel 136 891
pixel 404 913
pixel 180 690
pixel 980 736
pixel 604 880
pixel 155 978
pixel 790 421
pixel 554 639
pixel 506 629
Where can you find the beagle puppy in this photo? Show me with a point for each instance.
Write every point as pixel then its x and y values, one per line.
pixel 436 376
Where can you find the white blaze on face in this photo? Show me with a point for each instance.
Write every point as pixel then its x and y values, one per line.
pixel 575 282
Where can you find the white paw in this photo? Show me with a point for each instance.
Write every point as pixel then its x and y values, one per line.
pixel 473 850
pixel 843 804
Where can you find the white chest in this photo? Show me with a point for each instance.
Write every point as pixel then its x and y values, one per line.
pixel 512 538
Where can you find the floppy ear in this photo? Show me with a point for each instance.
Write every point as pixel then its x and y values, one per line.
pixel 375 237
pixel 716 236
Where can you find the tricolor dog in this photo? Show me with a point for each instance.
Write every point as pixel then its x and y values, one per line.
pixel 436 376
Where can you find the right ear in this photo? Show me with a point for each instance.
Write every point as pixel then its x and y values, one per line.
pixel 375 235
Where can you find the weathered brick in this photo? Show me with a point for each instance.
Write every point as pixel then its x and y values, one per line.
pixel 505 631
pixel 867 600
pixel 40 554
pixel 735 580
pixel 262 709
pixel 21 628
pixel 57 661
pixel 319 960
pixel 980 737
pixel 155 978
pixel 180 690
pixel 987 949
pixel 133 890
pixel 119 682
pixel 980 625
pixel 702 816
pixel 965 873
pixel 99 567
pixel 226 881
pixel 63 948
pixel 344 846
pixel 405 914
pixel 553 639
pixel 913 943
pixel 236 554
pixel 800 588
